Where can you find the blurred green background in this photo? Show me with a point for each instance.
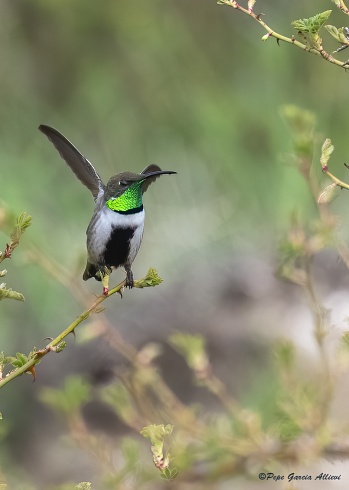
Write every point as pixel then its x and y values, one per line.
pixel 187 85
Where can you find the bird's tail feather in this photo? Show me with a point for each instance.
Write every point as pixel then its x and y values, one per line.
pixel 91 271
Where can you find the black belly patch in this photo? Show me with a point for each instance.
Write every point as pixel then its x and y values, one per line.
pixel 118 247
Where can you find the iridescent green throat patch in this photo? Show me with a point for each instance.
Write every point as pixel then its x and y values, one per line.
pixel 130 199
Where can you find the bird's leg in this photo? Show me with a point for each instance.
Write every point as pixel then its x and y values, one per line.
pixel 105 273
pixel 129 277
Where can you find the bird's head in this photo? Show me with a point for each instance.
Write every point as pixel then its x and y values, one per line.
pixel 124 191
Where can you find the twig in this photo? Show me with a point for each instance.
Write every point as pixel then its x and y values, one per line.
pixel 290 40
pixel 340 183
pixel 29 367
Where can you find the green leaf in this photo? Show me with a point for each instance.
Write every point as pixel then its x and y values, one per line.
pixel 326 151
pixel 20 360
pixel 174 473
pixel 338 34
pixel 313 24
pixel 170 474
pixel 9 293
pixel 309 29
pixel 166 474
pixel 156 433
pixel 329 194
pixel 23 221
pixel 5 359
pixel 10 359
pixel 151 279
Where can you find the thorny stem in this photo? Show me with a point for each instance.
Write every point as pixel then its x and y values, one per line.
pixel 291 40
pixel 7 253
pixel 115 339
pixel 28 366
pixel 167 397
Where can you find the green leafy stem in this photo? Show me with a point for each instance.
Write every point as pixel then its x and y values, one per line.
pixel 307 29
pixel 26 364
pixel 157 435
pixel 331 191
pixel 23 222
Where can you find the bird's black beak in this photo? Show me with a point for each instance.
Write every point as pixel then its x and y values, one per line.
pixel 158 172
pixel 148 178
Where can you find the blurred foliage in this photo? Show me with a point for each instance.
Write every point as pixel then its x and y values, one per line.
pixel 189 86
pixel 67 401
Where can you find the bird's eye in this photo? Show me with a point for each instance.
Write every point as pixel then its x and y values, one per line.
pixel 122 182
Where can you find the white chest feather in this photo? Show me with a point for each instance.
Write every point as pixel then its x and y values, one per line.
pixel 135 242
pixel 102 225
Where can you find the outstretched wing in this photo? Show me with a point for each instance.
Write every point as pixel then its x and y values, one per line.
pixel 81 167
pixel 149 169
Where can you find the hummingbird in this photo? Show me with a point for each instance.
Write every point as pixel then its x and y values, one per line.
pixel 115 231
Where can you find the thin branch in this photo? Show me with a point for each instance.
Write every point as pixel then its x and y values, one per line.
pixel 340 183
pixel 291 40
pixel 54 346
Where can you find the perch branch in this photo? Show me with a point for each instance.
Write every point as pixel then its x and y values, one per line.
pixel 152 279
